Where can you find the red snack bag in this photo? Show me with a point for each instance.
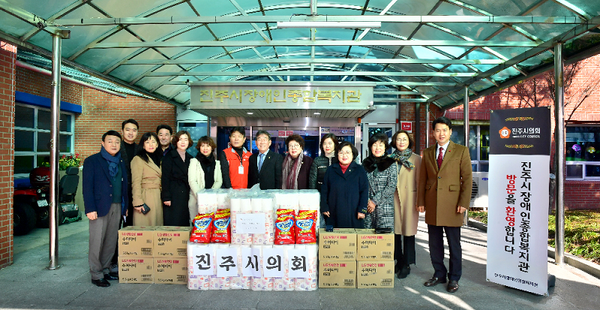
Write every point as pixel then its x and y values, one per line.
pixel 284 227
pixel 221 229
pixel 306 231
pixel 202 228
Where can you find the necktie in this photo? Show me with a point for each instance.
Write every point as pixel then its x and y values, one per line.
pixel 440 157
pixel 260 161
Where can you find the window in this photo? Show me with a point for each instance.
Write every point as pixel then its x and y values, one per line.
pixel 583 152
pixel 32 137
pixel 479 144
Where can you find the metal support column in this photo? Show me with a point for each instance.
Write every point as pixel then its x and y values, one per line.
pixel 426 126
pixel 466 115
pixel 417 130
pixel 54 151
pixel 559 153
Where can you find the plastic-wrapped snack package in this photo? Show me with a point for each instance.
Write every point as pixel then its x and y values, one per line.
pixel 261 283
pixel 201 265
pixel 221 228
pixel 311 282
pixel 306 227
pixel 284 283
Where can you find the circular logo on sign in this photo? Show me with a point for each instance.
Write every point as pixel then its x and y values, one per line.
pixel 505 133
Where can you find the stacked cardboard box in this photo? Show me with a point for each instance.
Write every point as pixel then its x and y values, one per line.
pixel 356 258
pixel 153 254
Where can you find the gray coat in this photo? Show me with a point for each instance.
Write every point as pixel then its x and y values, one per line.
pixel 382 185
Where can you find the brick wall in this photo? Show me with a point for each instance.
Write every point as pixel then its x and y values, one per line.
pixel 41 85
pixel 103 112
pixel 7 122
pixel 578 194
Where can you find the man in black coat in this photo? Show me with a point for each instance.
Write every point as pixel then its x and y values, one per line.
pixel 265 166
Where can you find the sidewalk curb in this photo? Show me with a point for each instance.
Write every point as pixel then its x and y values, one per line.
pixel 572 260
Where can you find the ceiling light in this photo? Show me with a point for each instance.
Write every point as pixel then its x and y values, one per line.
pixel 309 24
pixel 249 113
pixel 317 113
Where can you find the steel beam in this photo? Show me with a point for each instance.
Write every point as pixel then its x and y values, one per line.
pixel 54 153
pixel 309 73
pixel 304 43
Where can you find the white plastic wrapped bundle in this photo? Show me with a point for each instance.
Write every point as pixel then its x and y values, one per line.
pixel 310 283
pixel 198 281
pixel 310 200
pixel 207 201
pixel 220 283
pixel 284 283
pixel 239 205
pixel 264 206
pixel 222 199
pixel 261 283
pixel 240 282
pixel 287 199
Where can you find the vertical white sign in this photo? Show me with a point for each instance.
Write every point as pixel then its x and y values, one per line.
pixel 227 262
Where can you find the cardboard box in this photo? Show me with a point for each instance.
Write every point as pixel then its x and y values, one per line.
pixel 375 274
pixel 372 246
pixel 136 241
pixel 136 269
pixel 169 270
pixel 337 274
pixel 339 244
pixel 171 241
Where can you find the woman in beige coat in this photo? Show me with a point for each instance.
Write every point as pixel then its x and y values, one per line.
pixel 146 183
pixel 204 172
pixel 406 217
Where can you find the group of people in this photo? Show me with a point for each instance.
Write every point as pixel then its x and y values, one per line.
pixel 385 193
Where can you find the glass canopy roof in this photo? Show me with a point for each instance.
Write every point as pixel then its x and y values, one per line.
pixel 428 49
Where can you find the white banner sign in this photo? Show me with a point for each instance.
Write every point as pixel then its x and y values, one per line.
pixel 518 222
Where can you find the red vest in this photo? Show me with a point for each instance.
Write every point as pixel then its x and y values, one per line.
pixel 233 158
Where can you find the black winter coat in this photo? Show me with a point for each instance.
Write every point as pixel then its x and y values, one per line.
pixel 344 195
pixel 317 171
pixel 175 188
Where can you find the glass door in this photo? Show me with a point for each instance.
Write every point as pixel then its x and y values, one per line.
pixel 371 129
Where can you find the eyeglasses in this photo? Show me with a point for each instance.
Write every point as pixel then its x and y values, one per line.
pixel 345 153
pixel 402 140
pixel 294 146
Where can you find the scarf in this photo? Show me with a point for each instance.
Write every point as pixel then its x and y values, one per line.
pixel 208 166
pixel 373 163
pixel 113 162
pixel 403 157
pixel 330 157
pixel 291 169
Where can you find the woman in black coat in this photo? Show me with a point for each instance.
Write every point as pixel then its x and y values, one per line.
pixel 345 190
pixel 175 187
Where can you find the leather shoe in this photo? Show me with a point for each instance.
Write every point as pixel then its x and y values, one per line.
pixel 101 283
pixel 434 281
pixel 111 276
pixel 452 286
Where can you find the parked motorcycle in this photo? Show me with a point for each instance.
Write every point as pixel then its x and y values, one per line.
pixel 31 204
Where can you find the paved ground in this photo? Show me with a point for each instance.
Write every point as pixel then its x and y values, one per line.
pixel 28 285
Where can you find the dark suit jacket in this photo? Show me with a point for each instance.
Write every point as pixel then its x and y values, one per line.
pixel 97 187
pixel 270 173
pixel 442 190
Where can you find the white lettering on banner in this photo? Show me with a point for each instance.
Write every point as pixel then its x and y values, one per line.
pixel 297 259
pixel 204 260
pixel 525 217
pixel 253 223
pixel 227 262
pixel 273 262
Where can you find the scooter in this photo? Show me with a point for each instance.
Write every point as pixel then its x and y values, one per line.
pixel 31 203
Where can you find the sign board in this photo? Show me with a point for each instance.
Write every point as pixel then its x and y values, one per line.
pixel 517 251
pixel 406 126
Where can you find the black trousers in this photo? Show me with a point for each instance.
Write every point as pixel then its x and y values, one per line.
pixel 404 252
pixel 436 251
